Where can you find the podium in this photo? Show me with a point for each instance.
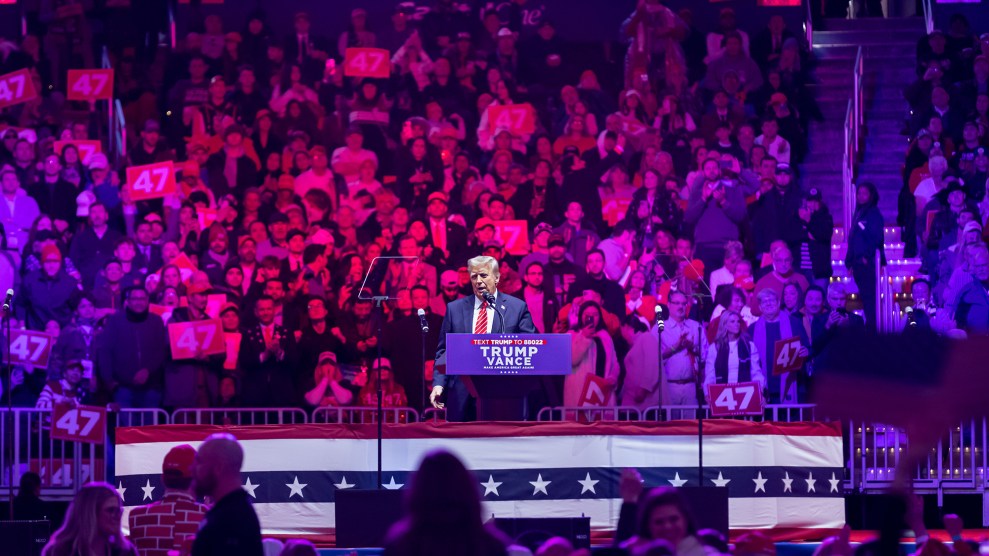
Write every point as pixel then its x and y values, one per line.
pixel 507 370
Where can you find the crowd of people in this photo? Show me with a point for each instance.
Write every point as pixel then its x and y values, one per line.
pixel 942 205
pixel 674 184
pixel 664 177
pixel 442 515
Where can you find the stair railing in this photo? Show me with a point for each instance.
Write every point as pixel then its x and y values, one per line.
pixel 848 168
pixel 809 24
pixel 854 121
pixel 928 15
pixel 116 140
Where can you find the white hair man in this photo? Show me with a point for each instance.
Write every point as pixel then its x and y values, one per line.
pixel 487 311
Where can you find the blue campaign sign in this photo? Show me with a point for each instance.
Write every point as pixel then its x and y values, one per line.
pixel 508 354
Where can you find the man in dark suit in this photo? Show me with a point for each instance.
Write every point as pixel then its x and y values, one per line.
pixel 474 314
pixel 308 51
pixel 148 258
pixel 449 238
pixel 767 45
pixel 267 357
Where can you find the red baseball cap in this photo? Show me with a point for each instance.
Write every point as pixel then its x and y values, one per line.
pixel 178 461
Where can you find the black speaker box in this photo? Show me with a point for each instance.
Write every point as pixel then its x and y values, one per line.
pixel 365 516
pixel 25 538
pixel 531 532
pixel 708 506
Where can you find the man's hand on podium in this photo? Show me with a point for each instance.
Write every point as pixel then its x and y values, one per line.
pixel 434 397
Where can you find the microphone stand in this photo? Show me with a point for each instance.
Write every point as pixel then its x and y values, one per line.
pixel 379 303
pixel 9 418
pixel 660 326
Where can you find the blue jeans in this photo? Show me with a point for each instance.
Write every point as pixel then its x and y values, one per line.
pixel 143 398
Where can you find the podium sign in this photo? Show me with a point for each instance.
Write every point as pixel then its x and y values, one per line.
pixel 508 354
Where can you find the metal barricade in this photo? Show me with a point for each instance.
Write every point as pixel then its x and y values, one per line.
pixel 142 417
pixel 62 465
pixel 431 414
pixel 364 415
pixel 585 414
pixel 783 413
pixel 241 416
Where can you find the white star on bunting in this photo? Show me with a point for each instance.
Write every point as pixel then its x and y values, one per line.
pixel 760 483
pixel 787 482
pixel 834 482
pixel 491 487
pixel 539 485
pixel 392 485
pixel 121 490
pixel 677 481
pixel 810 482
pixel 296 488
pixel 343 484
pixel 250 488
pixel 588 484
pixel 148 489
pixel 721 481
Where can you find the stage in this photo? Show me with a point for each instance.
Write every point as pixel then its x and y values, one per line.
pixel 783 479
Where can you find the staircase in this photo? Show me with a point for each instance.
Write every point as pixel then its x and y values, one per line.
pixel 889 51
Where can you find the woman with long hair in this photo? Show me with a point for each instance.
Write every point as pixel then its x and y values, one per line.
pixel 593 354
pixel 792 296
pixel 733 356
pixel 443 514
pixel 663 516
pixel 92 526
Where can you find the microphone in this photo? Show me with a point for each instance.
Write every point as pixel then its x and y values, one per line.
pixel 911 318
pixel 8 300
pixel 422 321
pixel 489 297
pixel 661 314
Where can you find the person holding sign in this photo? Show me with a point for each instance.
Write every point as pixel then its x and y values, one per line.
pixel 193 382
pixel 733 356
pixel 593 354
pixel 772 326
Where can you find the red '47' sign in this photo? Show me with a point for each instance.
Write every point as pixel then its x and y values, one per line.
pixel 743 398
pixel 367 62
pixel 28 347
pixel 90 84
pixel 189 338
pixel 514 235
pixel 81 423
pixel 16 87
pixel 519 119
pixel 151 181
pixel 596 392
pixel 786 356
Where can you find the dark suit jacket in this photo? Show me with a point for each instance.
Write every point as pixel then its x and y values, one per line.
pixel 247 174
pixel 149 264
pixel 460 319
pixel 270 383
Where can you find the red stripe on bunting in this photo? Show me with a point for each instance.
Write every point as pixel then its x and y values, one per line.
pixel 727 427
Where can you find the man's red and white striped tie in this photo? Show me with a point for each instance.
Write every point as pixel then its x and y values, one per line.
pixel 482 320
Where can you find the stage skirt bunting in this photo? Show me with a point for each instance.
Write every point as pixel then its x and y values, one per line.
pixel 783 478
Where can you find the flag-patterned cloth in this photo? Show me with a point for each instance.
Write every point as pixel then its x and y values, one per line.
pixel 785 479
